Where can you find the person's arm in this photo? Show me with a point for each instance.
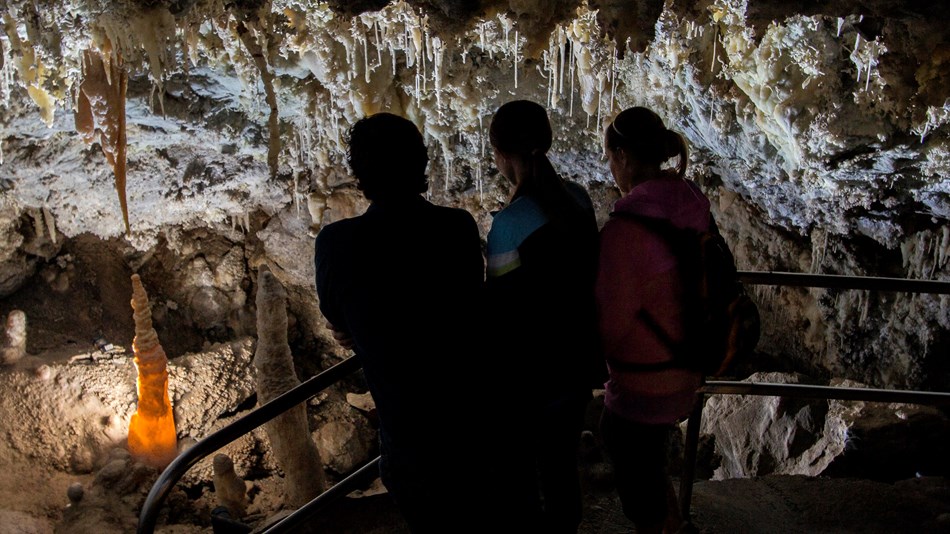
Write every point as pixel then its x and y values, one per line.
pixel 342 337
pixel 327 288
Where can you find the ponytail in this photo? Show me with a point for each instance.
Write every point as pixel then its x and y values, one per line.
pixel 641 133
pixel 676 146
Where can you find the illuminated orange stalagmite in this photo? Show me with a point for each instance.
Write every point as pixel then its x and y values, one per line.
pixel 152 437
pixel 101 112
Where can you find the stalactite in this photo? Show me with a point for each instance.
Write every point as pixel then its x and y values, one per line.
pixel 33 73
pixel 425 53
pixel 101 112
pixel 38 227
pixel 50 223
pixel 712 65
pixel 438 52
pixel 364 40
pixel 152 436
pixel 267 79
pixel 613 80
pixel 316 205
pixel 154 30
pixel 289 433
pixel 379 50
pixel 562 52
pixel 514 48
pixel 447 162
pixel 570 74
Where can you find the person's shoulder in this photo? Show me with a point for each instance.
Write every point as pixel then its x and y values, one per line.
pixel 452 216
pixel 576 189
pixel 343 225
pixel 337 230
pixel 451 211
pixel 620 225
pixel 514 224
pixel 522 212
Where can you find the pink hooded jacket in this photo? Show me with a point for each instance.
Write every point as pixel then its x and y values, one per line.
pixel 638 270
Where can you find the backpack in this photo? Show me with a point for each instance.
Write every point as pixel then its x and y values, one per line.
pixel 722 323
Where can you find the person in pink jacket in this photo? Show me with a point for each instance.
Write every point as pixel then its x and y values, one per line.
pixel 640 313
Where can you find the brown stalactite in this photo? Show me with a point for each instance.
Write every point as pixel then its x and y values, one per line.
pixel 267 79
pixel 101 113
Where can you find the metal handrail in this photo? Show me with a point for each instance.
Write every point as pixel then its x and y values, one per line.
pixel 208 445
pixel 903 285
pixel 340 489
pixel 801 390
pixel 731 387
pixel 734 387
pixel 203 448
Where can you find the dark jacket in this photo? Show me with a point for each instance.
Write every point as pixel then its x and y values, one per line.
pixel 540 299
pixel 403 280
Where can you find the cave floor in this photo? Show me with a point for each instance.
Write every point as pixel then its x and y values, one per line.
pixel 773 504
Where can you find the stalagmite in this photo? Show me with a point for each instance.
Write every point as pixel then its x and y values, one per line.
pixel 316 205
pixel 289 433
pixel 152 435
pixel 229 489
pixel 101 113
pixel 14 339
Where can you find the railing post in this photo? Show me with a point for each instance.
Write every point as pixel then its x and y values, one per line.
pixel 689 455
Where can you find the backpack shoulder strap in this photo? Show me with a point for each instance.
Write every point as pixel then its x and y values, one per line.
pixel 674 236
pixel 661 226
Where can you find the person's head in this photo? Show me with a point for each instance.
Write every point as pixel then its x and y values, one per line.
pixel 520 134
pixel 637 143
pixel 388 156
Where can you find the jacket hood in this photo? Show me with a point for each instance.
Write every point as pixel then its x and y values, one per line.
pixel 678 200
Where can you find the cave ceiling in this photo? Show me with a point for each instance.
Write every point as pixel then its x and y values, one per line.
pixel 829 115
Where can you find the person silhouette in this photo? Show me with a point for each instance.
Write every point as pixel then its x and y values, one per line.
pixel 641 314
pixel 541 265
pixel 400 285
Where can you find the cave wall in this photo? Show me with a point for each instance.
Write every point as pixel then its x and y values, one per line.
pixel 819 131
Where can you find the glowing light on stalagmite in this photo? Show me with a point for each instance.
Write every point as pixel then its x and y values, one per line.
pixel 152 435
